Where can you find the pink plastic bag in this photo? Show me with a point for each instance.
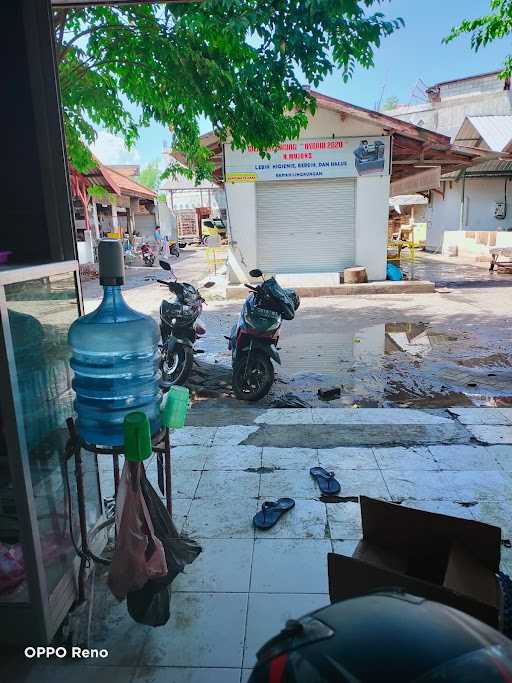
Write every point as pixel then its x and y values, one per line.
pixel 139 555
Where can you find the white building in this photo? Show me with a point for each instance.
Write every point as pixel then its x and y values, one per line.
pixel 471 210
pixel 320 203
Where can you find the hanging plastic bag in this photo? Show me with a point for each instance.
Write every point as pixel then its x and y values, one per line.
pixel 139 554
pixel 151 604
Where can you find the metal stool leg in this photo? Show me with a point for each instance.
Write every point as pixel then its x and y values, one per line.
pixel 168 476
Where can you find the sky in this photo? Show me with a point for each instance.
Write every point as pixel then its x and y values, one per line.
pixel 414 52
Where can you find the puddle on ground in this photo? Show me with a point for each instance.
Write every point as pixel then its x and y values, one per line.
pixel 406 364
pixel 409 364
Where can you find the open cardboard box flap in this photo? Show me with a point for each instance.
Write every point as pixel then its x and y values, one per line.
pixel 401 528
pixel 438 557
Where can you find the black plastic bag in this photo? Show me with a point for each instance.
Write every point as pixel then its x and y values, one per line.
pixel 150 604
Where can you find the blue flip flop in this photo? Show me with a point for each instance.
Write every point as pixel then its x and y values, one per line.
pixel 325 480
pixel 270 512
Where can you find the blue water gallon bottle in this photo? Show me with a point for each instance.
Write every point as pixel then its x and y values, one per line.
pixel 114 355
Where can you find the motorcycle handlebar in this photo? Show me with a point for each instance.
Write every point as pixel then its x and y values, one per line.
pixel 163 282
pixel 253 289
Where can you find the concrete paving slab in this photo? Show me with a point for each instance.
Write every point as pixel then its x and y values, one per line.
pixel 345 520
pixel 347 458
pixel 362 483
pixel 166 674
pixel 442 507
pixel 464 457
pixel 289 458
pixel 481 416
pixel 492 434
pixel 308 519
pixel 233 457
pixel 495 513
pixel 287 483
pixel 223 484
pixel 416 458
pixel 205 630
pixel 285 416
pixel 77 673
pixel 467 486
pixel 224 566
pixel 188 436
pixel 188 457
pixel 233 434
pixel 344 547
pixel 275 563
pixel 375 416
pixel 503 456
pixel 226 518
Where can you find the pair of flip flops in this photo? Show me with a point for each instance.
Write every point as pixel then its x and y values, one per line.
pixel 271 512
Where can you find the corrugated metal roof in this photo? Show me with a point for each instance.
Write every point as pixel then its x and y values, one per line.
pixel 492 167
pixel 495 132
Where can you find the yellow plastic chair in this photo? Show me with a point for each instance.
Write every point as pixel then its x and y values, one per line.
pixel 215 256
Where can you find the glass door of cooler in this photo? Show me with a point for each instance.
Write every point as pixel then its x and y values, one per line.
pixel 38 510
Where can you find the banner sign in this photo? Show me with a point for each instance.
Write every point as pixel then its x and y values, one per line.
pixel 309 159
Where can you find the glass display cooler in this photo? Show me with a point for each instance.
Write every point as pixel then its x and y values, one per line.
pixel 38 562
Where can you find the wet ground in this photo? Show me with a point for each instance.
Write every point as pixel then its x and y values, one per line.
pixel 426 350
pixel 449 348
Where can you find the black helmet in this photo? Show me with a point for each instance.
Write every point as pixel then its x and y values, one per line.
pixel 385 636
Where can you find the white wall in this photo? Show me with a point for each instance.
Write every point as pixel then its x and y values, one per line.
pixel 85 249
pixel 241 206
pixel 372 195
pixel 372 202
pixel 444 214
pixel 480 197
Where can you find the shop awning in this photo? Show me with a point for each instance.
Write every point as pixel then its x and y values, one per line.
pixel 419 156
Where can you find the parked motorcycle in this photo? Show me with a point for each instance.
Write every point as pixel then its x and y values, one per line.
pixel 180 327
pixel 148 257
pixel 253 340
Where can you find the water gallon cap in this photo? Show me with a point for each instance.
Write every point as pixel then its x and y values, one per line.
pixel 110 257
pixel 174 409
pixel 137 437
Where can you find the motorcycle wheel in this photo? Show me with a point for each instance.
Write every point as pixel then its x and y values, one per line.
pixel 176 366
pixel 250 383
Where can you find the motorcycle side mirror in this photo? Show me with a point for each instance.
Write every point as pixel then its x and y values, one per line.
pixel 256 272
pixel 165 265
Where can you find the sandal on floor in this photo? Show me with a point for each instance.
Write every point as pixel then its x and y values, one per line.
pixel 270 512
pixel 325 480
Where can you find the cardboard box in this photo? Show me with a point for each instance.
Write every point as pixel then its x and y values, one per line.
pixel 447 559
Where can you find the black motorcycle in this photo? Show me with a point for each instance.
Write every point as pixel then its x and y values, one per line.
pixel 253 340
pixel 179 327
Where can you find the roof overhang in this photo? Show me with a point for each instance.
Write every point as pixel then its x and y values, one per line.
pixel 417 151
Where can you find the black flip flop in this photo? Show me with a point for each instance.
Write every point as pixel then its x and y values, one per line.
pixel 325 480
pixel 270 512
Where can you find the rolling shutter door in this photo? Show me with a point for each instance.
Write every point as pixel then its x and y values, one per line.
pixel 305 226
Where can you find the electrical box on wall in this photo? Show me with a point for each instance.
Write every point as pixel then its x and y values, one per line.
pixel 500 210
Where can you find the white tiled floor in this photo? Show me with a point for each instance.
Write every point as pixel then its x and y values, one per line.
pixel 245 584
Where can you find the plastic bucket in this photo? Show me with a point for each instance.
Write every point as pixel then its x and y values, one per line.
pixel 174 409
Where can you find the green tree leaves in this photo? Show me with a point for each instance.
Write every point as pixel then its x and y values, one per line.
pixel 231 61
pixel 484 30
